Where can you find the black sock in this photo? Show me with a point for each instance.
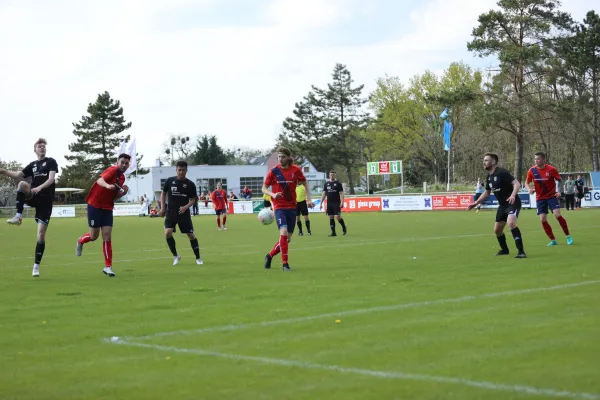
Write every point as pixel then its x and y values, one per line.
pixel 502 242
pixel 20 201
pixel 39 251
pixel 195 247
pixel 343 224
pixel 307 222
pixel 332 225
pixel 299 223
pixel 518 239
pixel 171 243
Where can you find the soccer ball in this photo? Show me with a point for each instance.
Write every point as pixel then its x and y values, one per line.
pixel 266 216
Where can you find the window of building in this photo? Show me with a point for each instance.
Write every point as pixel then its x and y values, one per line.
pixel 209 184
pixel 306 169
pixel 254 183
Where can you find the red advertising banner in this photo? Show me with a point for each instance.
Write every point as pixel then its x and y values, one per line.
pixel 359 204
pixel 384 167
pixel 451 201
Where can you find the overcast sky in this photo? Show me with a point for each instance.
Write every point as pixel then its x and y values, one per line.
pixel 230 68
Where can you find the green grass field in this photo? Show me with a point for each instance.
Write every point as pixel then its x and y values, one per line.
pixel 425 312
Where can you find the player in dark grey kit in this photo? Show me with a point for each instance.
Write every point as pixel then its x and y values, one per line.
pixel 40 195
pixel 506 189
pixel 334 191
pixel 178 195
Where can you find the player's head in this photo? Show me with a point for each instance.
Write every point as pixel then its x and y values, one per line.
pixel 490 161
pixel 123 161
pixel 539 159
pixel 284 156
pixel 181 169
pixel 332 175
pixel 40 148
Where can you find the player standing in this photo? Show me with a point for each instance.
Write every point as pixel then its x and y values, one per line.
pixel 40 195
pixel 179 194
pixel 302 210
pixel 101 202
pixel 545 178
pixel 283 179
pixel 335 202
pixel 506 189
pixel 220 202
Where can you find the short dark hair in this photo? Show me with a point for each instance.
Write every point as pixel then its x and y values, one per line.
pixel 284 150
pixel 494 156
pixel 181 163
pixel 39 141
pixel 332 171
pixel 125 156
pixel 540 154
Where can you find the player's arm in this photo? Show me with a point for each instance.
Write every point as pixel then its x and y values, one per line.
pixel 309 201
pixel 265 189
pixel 50 181
pixel 341 197
pixel 529 182
pixel 516 187
pixel 163 199
pixel 13 174
pixel 481 199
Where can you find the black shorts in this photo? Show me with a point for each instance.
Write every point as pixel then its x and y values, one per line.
pixel 301 208
pixel 508 209
pixel 43 208
pixel 221 211
pixel 266 204
pixel 333 209
pixel 184 221
pixel 580 194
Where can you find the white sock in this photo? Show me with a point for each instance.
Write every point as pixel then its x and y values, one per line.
pixel 19 215
pixel 36 265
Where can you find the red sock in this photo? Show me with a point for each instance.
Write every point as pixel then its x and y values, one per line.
pixel 548 230
pixel 84 239
pixel 275 250
pixel 283 243
pixel 563 224
pixel 218 221
pixel 224 219
pixel 107 250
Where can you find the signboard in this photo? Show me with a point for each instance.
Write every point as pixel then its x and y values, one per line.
pixel 591 199
pixel 492 202
pixel 452 201
pixel 360 204
pixel 63 212
pixel 384 167
pixel 122 210
pixel 242 207
pixel 314 176
pixel 406 203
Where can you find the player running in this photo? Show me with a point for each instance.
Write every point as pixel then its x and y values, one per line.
pixel 546 178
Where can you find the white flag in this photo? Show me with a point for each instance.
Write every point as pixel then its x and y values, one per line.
pixel 122 149
pixel 131 151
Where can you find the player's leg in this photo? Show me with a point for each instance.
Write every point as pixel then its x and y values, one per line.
pixel 286 237
pixel 107 246
pixel 39 248
pixel 282 226
pixel 298 221
pixel 224 213
pixel 341 220
pixel 218 219
pixel 501 218
pixel 169 229
pixel 542 211
pixel 330 212
pixel 513 215
pixel 555 207
pixel 307 223
pixel 186 226
pixel 94 218
pixel 23 193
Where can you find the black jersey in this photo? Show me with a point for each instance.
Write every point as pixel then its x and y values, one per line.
pixel 333 190
pixel 500 184
pixel 39 171
pixel 179 193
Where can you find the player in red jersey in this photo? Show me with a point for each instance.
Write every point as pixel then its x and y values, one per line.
pixel 545 178
pixel 219 203
pixel 283 179
pixel 101 202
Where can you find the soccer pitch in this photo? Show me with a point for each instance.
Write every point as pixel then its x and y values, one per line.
pixel 408 305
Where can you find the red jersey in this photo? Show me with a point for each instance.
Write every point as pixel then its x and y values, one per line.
pixel 219 199
pixel 545 181
pixel 100 197
pixel 284 180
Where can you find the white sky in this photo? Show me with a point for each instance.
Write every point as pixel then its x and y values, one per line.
pixel 230 68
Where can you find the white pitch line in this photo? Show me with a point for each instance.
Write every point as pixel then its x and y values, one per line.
pixel 234 327
pixel 522 389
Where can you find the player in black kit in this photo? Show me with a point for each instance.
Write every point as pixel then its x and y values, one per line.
pixel 506 189
pixel 40 195
pixel 335 202
pixel 178 195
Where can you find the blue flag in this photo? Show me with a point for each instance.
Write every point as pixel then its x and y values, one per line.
pixel 447 128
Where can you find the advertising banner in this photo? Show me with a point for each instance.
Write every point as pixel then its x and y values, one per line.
pixel 242 207
pixel 452 201
pixel 591 199
pixel 406 203
pixel 492 202
pixel 63 212
pixel 122 210
pixel 361 204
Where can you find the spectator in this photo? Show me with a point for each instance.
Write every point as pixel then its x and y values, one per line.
pixel 569 189
pixel 153 212
pixel 478 192
pixel 204 198
pixel 232 196
pixel 247 193
pixel 579 190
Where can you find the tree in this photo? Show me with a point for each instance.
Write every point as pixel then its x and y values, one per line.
pixel 8 186
pixel 519 35
pixel 98 136
pixel 209 152
pixel 176 148
pixel 327 125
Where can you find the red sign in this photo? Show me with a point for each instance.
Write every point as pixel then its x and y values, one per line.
pixel 451 201
pixel 360 204
pixel 384 167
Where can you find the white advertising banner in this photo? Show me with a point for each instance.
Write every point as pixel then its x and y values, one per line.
pixel 63 212
pixel 406 203
pixel 591 199
pixel 242 207
pixel 122 210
